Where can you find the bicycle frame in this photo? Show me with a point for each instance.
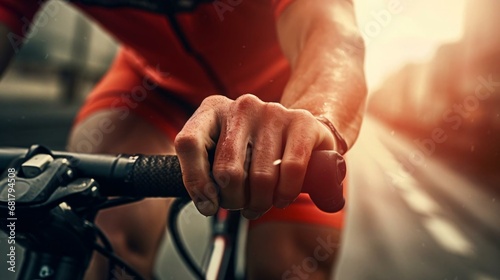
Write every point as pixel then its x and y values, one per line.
pixel 222 264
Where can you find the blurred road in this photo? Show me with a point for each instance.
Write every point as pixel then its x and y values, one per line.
pixel 414 218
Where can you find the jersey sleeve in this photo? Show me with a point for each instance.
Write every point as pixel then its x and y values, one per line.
pixel 18 14
pixel 279 6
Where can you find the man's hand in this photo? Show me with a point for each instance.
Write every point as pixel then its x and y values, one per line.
pixel 248 136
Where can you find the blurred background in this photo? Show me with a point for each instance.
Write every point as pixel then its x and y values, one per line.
pixel 425 173
pixel 50 76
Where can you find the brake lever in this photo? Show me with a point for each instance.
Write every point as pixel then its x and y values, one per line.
pixel 41 183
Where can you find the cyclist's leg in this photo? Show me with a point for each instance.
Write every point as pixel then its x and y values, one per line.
pixel 134 230
pixel 299 242
pixel 114 120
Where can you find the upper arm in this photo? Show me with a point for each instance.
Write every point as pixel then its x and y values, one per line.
pixel 299 19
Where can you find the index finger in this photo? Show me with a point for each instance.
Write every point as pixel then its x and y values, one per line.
pixel 191 145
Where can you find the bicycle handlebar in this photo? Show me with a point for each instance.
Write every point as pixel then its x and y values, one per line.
pixel 161 176
pixel 50 229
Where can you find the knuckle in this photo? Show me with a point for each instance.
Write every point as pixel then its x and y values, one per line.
pixel 228 174
pixel 291 189
pixel 194 186
pixel 200 190
pixel 300 152
pixel 294 165
pixel 263 178
pixel 302 115
pixel 275 110
pixel 213 103
pixel 186 142
pixel 274 115
pixel 246 102
pixel 212 100
pixel 275 107
pixel 288 191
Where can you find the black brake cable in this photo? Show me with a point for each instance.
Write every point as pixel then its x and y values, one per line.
pixel 118 261
pixel 107 251
pixel 107 245
pixel 175 210
pixel 105 241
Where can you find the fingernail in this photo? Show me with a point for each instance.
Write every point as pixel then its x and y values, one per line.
pixel 206 207
pixel 252 215
pixel 281 203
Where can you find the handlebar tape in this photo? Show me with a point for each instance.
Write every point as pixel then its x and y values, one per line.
pixel 323 181
pixel 161 176
pixel 155 176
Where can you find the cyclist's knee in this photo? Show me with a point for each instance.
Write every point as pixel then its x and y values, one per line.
pixel 131 226
pixel 139 226
pixel 135 232
pixel 286 251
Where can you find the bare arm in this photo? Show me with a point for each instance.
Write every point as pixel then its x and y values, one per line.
pixel 321 42
pixel 326 51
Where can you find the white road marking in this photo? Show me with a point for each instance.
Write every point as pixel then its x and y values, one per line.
pixel 448 236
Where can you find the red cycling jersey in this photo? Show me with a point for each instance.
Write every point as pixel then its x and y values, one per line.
pixel 248 60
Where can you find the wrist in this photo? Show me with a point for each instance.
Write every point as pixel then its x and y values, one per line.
pixel 340 144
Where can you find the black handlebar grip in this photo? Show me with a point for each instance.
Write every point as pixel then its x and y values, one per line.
pixel 156 176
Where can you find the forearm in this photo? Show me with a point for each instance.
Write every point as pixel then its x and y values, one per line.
pixel 325 50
